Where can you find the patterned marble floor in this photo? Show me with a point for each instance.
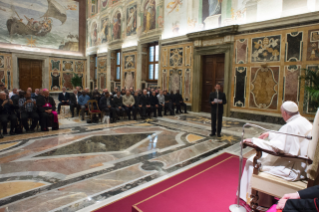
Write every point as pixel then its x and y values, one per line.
pixel 82 166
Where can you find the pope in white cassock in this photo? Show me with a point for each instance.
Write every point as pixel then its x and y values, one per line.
pixel 280 167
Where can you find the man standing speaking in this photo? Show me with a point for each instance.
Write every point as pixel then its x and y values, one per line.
pixel 217 100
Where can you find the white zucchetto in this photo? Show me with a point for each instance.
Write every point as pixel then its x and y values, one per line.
pixel 290 106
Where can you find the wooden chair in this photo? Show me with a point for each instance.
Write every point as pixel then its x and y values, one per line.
pixel 276 186
pixel 93 109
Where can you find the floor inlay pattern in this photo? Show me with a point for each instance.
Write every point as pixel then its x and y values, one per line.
pixel 77 167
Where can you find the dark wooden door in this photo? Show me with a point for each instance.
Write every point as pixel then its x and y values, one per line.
pixel 213 72
pixel 30 74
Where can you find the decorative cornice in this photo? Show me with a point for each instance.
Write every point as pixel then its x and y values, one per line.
pixel 214 33
pixel 182 38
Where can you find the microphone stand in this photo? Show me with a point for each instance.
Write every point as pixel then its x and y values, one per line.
pixel 237 207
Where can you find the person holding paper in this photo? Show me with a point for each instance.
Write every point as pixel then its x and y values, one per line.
pixel 217 100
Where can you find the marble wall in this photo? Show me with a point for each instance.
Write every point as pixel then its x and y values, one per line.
pixel 61 71
pixel 177 69
pixel 6 65
pixel 267 68
pixel 102 72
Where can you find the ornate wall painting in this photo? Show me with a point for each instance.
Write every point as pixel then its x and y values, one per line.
pixel 79 66
pixel 176 57
pixel 44 24
pixel 104 4
pixel 241 51
pixel 93 34
pixel 294 46
pixel 67 81
pixel 1 61
pixel 55 81
pixel 149 18
pixel 211 8
pixel 8 62
pixel 313 45
pixel 105 34
pixel 266 49
pixel 175 80
pixel 102 81
pixel 240 87
pixel 187 85
pixel 264 87
pixel 291 83
pixel 117 23
pixel 131 23
pixel 129 62
pixel 188 55
pixel 129 79
pixel 67 65
pixel 2 76
pixel 164 79
pixel 9 80
pixel 102 62
pixel 309 106
pixel 164 57
pixel 55 65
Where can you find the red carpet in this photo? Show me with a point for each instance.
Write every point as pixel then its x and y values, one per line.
pixel 210 186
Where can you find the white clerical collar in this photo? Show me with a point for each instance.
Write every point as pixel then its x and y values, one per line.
pixel 293 117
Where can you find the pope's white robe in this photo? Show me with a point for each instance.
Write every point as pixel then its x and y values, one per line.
pixel 288 169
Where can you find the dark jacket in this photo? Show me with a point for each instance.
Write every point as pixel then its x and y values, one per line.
pixel 117 102
pixel 154 100
pixel 144 100
pixel 308 200
pixel 65 97
pixel 103 103
pixel 73 99
pixel 137 100
pixel 179 98
pixel 15 100
pixel 168 98
pixel 7 108
pixel 41 101
pixel 221 96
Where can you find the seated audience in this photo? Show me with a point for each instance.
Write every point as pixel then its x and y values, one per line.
pixel 128 104
pixel 304 200
pixel 46 107
pixel 74 102
pixel 7 113
pixel 136 104
pixel 105 106
pixel 285 168
pixel 13 93
pixel 96 95
pixel 36 93
pixel 64 99
pixel 132 91
pixel 155 105
pixel 123 92
pixel 118 106
pixel 115 91
pixel 83 102
pixel 145 105
pixel 168 103
pixel 179 103
pixel 161 100
pixel 28 108
pixel 78 88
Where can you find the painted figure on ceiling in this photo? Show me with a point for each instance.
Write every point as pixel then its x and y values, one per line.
pixel 104 3
pixel 94 34
pixel 117 26
pixel 104 30
pixel 131 21
pixel 149 15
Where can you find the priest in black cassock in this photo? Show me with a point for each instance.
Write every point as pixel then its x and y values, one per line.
pixel 217 100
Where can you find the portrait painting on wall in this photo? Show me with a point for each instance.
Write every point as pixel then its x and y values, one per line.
pixel 131 20
pixel 104 33
pixel 50 24
pixel 117 26
pixel 104 3
pixel 93 34
pixel 149 15
pixel 129 79
pixel 211 8
pixel 176 57
pixel 129 62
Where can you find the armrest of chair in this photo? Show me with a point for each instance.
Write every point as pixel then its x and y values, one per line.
pixel 284 155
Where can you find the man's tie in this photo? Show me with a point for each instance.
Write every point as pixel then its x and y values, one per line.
pixel 217 94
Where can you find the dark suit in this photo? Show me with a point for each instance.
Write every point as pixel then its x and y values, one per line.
pixel 168 104
pixel 308 201
pixel 7 113
pixel 65 98
pixel 116 103
pixel 74 104
pixel 154 102
pixel 145 101
pixel 179 103
pixel 217 110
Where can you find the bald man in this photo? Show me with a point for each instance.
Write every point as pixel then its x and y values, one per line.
pixel 287 169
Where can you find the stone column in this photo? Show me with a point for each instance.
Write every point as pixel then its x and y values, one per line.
pixel 294 7
pixel 251 11
pixel 45 73
pixel 15 72
pixel 108 70
pixel 87 72
pixel 139 66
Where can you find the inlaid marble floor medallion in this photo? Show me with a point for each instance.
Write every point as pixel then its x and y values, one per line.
pixel 80 166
